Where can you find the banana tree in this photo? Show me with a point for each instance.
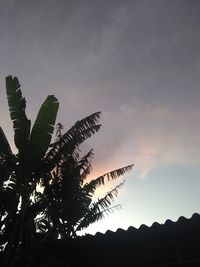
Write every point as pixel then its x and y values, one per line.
pixel 69 194
pixel 17 172
pixel 65 206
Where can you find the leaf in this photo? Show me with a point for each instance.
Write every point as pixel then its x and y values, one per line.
pixel 97 210
pixel 43 127
pixel 84 165
pixel 4 145
pixel 17 105
pixel 76 135
pixel 110 175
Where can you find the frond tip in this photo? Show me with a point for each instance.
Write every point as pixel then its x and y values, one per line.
pixel 99 208
pixel 112 175
pixel 118 172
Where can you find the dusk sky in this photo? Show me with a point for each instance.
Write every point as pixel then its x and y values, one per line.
pixel 136 61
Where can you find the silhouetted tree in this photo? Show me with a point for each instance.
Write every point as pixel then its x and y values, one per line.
pixel 20 173
pixel 69 195
pixel 65 205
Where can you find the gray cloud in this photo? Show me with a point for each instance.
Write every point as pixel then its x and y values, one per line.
pixel 136 61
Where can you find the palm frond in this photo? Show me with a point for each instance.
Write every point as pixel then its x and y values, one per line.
pixel 76 135
pixel 17 105
pixel 98 208
pixel 105 202
pixel 111 175
pixel 84 165
pixel 89 188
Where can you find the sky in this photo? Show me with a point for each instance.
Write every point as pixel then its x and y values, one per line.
pixel 136 61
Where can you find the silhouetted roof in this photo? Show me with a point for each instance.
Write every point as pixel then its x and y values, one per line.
pixel 169 244
pixel 190 223
pixel 174 242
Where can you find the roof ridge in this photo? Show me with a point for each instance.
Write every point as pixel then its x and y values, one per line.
pixel 145 227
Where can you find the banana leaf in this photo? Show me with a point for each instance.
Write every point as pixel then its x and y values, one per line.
pixel 43 128
pixel 17 105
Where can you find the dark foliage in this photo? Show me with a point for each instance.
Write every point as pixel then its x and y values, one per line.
pixel 63 205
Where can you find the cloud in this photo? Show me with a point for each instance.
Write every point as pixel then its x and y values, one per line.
pixel 135 61
pixel 148 134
